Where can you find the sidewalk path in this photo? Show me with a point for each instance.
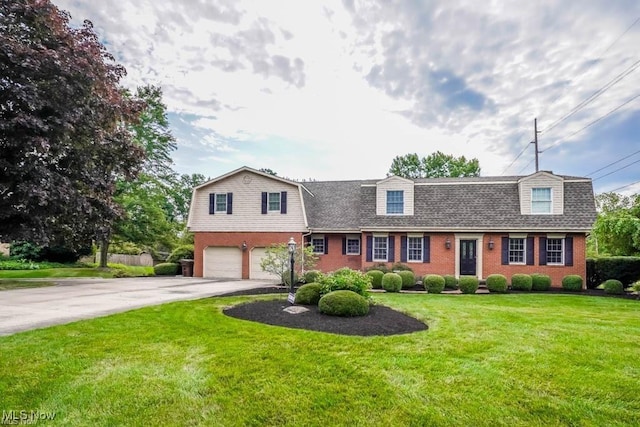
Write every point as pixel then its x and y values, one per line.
pixel 76 299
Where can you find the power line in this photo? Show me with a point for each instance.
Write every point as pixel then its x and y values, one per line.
pixel 595 95
pixel 624 186
pixel 617 170
pixel 591 124
pixel 517 157
pixel 526 166
pixel 611 164
pixel 581 76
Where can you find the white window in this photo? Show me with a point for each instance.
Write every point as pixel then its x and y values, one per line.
pixel 318 245
pixel 555 251
pixel 274 202
pixel 395 202
pixel 221 202
pixel 353 246
pixel 414 249
pixel 516 251
pixel 380 248
pixel 541 200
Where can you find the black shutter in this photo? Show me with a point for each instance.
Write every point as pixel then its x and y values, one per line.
pixel 283 202
pixel 264 203
pixel 530 251
pixel 307 240
pixel 344 246
pixel 403 248
pixel 212 203
pixel 229 203
pixel 392 252
pixel 505 251
pixel 369 248
pixel 543 251
pixel 326 244
pixel 568 251
pixel 426 254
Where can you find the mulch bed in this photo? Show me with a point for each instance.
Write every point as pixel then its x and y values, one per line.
pixel 380 320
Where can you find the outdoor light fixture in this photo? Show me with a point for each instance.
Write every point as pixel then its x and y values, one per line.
pixel 490 243
pixel 244 246
pixel 447 243
pixel 292 252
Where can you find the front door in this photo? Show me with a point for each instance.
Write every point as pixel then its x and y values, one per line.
pixel 467 257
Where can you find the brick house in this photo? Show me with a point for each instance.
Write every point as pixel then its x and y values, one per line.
pixel 459 226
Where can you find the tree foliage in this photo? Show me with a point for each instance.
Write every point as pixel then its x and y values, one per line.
pixel 64 140
pixel 435 165
pixel 277 259
pixel 617 228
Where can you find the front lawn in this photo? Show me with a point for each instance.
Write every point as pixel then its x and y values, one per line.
pixel 129 271
pixel 489 360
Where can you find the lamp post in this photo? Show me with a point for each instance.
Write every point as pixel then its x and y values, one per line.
pixel 292 253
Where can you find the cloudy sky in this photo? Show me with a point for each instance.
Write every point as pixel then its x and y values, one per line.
pixel 336 89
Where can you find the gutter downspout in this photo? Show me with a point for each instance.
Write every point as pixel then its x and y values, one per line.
pixel 302 251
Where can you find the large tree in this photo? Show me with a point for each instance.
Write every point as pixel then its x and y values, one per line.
pixel 435 165
pixel 64 139
pixel 617 228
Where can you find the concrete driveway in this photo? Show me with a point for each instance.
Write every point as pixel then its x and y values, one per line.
pixel 76 299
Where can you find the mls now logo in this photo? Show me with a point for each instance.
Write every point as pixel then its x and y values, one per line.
pixel 26 417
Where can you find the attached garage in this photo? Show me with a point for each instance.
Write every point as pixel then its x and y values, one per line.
pixel 223 262
pixel 257 254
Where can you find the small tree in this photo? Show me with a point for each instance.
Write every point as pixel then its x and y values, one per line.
pixel 277 259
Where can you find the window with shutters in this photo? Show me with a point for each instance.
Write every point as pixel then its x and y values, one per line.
pixel 516 251
pixel 380 248
pixel 555 251
pixel 274 202
pixel 414 249
pixel 221 202
pixel 318 245
pixel 353 246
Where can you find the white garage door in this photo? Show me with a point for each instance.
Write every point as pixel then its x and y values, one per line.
pixel 256 271
pixel 223 262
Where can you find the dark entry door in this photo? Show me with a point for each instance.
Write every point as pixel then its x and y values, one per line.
pixel 467 257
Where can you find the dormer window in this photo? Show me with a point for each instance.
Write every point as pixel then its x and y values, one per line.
pixel 541 200
pixel 395 202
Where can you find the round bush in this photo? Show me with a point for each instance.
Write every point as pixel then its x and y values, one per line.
pixel 408 279
pixel 343 303
pixel 312 276
pixel 308 294
pixel 450 282
pixel 521 282
pixel 391 282
pixel 497 283
pixel 433 283
pixel 181 252
pixel 468 284
pixel 376 278
pixel 572 283
pixel 613 287
pixel 166 269
pixel 540 282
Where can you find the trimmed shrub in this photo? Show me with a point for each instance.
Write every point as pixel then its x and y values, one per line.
pixel 286 278
pixel 572 283
pixel 312 276
pixel 346 279
pixel 308 294
pixel 521 282
pixel 391 282
pixel 398 266
pixel 165 269
pixel 497 283
pixel 450 282
pixel 376 278
pixel 468 284
pixel 408 279
pixel 613 287
pixel 433 283
pixel 381 266
pixel 343 303
pixel 540 282
pixel 24 250
pixel 181 252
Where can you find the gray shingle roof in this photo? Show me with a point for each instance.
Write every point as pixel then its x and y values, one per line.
pixel 486 203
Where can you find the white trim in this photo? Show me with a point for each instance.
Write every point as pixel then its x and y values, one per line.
pixel 415 236
pixel 556 235
pixel 550 201
pixel 353 237
pixel 395 178
pixel 317 237
pixel 373 248
pixel 518 235
pixel 479 238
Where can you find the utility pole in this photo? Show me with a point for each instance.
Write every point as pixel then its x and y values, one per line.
pixel 535 141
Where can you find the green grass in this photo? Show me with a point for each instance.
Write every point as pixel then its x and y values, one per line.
pixel 6 285
pixel 73 272
pixel 489 360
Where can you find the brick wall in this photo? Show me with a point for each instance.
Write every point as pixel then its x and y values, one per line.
pixel 334 259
